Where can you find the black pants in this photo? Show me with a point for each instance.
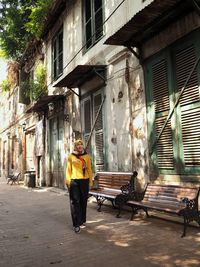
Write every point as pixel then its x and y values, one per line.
pixel 78 193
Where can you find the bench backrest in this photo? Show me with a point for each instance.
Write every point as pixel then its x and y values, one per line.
pixel 16 174
pixel 113 180
pixel 170 193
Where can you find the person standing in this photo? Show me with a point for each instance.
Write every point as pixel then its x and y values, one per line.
pixel 78 181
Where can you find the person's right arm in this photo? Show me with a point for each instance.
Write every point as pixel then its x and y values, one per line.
pixel 68 171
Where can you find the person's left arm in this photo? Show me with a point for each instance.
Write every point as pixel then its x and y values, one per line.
pixel 89 169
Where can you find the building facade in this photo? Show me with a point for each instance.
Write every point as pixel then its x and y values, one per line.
pixel 122 75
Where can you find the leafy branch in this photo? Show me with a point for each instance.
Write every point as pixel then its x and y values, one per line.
pixel 37 87
pixel 21 21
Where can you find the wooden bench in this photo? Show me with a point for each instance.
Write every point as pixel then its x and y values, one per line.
pixel 13 178
pixel 179 200
pixel 113 186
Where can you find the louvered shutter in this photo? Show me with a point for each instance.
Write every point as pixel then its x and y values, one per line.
pixel 87 122
pixel 164 145
pixel 189 105
pixel 99 138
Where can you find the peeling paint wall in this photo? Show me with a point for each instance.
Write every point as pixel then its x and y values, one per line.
pixel 119 147
pixel 125 112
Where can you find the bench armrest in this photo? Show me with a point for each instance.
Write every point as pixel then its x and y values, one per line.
pixel 189 203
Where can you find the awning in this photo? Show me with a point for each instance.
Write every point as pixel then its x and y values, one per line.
pixel 79 75
pixel 42 103
pixel 148 21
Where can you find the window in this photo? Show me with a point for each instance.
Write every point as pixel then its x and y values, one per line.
pixel 23 85
pixel 178 149
pixel 57 55
pixel 90 108
pixel 93 22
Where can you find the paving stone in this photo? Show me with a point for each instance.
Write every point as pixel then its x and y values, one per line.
pixel 36 231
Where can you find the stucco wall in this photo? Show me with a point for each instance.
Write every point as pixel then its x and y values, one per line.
pixel 125 112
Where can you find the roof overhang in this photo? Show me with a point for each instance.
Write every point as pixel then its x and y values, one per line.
pixel 42 103
pixel 55 11
pixel 150 20
pixel 80 75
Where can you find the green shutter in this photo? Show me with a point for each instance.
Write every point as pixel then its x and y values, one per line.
pixel 164 145
pixel 178 149
pixel 87 122
pixel 90 108
pixel 190 107
pixel 87 116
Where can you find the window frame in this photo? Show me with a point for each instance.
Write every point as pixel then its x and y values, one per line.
pixel 59 53
pixel 176 120
pixel 92 20
pixel 91 98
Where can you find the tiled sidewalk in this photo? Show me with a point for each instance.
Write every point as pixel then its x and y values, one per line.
pixel 35 230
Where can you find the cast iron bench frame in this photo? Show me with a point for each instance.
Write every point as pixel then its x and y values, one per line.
pixel 173 199
pixel 115 187
pixel 14 178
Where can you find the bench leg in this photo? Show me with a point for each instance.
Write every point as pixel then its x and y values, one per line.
pixel 198 218
pixel 184 226
pixel 146 211
pixel 190 215
pixel 134 211
pixel 99 207
pixel 100 201
pixel 113 204
pixel 119 212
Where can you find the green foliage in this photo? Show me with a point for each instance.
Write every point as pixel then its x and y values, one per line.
pixel 2 54
pixel 20 21
pixel 13 36
pixel 5 86
pixel 38 14
pixel 37 86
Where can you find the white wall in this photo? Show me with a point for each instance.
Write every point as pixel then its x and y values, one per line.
pixel 126 140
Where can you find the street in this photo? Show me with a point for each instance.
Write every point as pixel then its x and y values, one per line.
pixel 36 231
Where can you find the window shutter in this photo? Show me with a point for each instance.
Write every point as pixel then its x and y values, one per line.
pixel 87 116
pixel 190 107
pixel 161 99
pixel 185 59
pixel 99 137
pixel 87 122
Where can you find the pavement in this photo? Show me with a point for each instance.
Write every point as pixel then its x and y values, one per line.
pixel 36 231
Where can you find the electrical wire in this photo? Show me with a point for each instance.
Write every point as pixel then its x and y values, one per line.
pixel 91 37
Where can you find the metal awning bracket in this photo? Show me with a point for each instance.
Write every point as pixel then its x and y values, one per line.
pixel 98 74
pixel 74 92
pixel 134 52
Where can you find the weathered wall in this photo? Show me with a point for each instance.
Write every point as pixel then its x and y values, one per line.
pixel 125 112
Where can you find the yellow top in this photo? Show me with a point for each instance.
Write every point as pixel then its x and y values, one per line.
pixel 75 169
